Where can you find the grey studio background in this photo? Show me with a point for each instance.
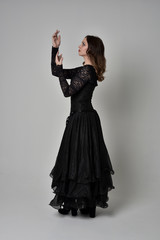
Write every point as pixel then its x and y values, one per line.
pixel 33 114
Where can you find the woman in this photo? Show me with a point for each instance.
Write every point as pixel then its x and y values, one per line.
pixel 81 176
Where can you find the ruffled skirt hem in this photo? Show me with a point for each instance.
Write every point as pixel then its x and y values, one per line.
pixel 80 195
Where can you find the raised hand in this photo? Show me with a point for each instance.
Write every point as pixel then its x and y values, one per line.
pixel 56 40
pixel 58 59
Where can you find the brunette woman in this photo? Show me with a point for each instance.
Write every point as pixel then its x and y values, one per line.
pixel 81 176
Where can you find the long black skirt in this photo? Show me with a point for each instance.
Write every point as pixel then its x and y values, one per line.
pixel 81 176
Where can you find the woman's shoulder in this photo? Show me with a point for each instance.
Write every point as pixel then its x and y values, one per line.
pixel 89 71
pixel 87 68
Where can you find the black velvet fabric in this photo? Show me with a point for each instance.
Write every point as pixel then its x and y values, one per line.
pixel 81 175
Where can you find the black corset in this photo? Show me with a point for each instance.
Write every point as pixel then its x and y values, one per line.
pixel 81 107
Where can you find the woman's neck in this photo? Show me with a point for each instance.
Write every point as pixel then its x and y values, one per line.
pixel 87 61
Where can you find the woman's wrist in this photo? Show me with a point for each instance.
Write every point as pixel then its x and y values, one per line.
pixel 60 65
pixel 55 46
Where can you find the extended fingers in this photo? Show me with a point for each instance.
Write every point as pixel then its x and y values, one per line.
pixel 59 58
pixel 56 33
pixel 56 58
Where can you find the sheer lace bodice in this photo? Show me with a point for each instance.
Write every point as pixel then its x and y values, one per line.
pixel 83 82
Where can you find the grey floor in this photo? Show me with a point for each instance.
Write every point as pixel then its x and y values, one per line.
pixel 25 214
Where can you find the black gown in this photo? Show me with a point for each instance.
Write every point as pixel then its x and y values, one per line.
pixel 81 176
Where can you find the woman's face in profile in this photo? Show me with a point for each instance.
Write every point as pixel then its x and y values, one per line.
pixel 83 48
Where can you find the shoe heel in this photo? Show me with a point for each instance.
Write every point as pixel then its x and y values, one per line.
pixel 74 211
pixel 92 212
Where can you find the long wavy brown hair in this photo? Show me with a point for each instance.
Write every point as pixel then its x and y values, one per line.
pixel 95 52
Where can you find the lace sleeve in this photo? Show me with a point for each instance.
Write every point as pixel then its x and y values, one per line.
pixel 82 76
pixel 68 73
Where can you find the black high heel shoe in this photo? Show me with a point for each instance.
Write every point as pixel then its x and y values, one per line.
pixel 92 212
pixel 74 211
pixel 65 211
